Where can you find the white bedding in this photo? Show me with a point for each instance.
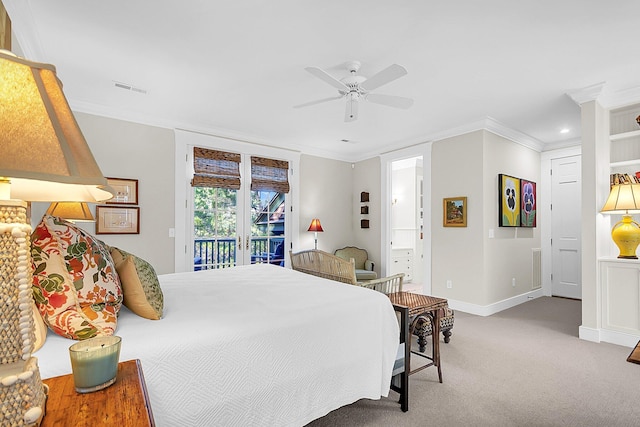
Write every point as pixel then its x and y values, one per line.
pixel 254 345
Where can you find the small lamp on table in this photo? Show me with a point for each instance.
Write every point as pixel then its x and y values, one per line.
pixel 624 199
pixel 316 227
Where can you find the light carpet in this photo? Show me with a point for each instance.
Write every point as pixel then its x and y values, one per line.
pixel 524 366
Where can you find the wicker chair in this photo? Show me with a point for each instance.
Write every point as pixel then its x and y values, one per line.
pixel 323 264
pixel 360 258
pixel 386 285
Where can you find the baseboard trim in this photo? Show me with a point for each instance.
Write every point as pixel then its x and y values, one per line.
pixel 605 335
pixel 488 310
pixel 619 338
pixel 589 334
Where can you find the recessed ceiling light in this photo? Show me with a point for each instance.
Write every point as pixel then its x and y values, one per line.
pixel 565 130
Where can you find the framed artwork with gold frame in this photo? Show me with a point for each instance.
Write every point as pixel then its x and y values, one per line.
pixel 454 212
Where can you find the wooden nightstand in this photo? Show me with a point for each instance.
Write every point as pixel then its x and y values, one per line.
pixel 125 403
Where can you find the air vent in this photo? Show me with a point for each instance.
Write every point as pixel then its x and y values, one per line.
pixel 126 86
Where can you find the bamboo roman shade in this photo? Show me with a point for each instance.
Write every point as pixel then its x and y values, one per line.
pixel 269 174
pixel 213 168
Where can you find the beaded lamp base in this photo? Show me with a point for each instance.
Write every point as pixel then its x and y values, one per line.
pixel 22 394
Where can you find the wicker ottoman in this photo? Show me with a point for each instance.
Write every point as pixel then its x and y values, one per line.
pixel 423 329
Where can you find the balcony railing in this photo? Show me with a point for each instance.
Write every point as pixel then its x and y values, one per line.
pixel 209 253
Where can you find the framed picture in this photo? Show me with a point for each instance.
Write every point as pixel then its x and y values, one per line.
pixel 528 205
pixel 126 191
pixel 454 212
pixel 508 201
pixel 117 220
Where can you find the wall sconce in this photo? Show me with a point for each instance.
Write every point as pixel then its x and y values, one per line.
pixel 315 227
pixel 624 199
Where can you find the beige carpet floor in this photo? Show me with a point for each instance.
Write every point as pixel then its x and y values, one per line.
pixel 524 366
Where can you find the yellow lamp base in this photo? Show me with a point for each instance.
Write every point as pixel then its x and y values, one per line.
pixel 626 235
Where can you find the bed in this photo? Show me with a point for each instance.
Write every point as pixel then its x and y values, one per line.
pixel 254 345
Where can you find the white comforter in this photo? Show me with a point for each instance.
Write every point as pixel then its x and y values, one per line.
pixel 254 345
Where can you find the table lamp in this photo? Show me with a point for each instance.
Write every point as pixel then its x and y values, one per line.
pixel 71 211
pixel 43 157
pixel 315 227
pixel 624 199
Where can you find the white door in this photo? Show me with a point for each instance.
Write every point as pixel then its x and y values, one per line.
pixel 566 280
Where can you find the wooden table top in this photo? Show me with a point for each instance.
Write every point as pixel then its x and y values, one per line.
pixel 417 303
pixel 124 403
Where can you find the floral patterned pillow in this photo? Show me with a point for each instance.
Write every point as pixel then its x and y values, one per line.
pixel 75 284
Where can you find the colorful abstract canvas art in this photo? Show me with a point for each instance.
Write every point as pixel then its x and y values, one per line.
pixel 509 201
pixel 528 204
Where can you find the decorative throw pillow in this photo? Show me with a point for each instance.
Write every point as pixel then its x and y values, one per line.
pixel 140 285
pixel 75 284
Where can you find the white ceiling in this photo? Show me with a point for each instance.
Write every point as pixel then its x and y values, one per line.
pixel 236 68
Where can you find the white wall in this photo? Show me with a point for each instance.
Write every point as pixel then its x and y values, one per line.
pixel 508 255
pixel 330 191
pixel 325 193
pixel 366 177
pixel 480 268
pixel 146 153
pixel 457 252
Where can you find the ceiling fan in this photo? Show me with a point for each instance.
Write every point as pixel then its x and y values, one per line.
pixel 355 88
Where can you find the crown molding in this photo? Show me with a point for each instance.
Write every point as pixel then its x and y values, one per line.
pixel 487 123
pixel 549 146
pixel 513 135
pixel 621 98
pixel 586 94
pixel 598 92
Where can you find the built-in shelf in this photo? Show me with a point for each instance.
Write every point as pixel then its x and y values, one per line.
pixel 625 163
pixel 624 135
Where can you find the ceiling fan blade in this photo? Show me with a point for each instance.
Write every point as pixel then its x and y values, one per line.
pixel 327 78
pixel 351 112
pixel 390 100
pixel 385 76
pixel 319 101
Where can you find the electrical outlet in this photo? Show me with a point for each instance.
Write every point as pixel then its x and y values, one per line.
pixel 513 282
pixel 449 284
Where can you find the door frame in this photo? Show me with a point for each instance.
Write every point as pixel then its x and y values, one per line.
pixel 545 210
pixel 386 161
pixel 184 141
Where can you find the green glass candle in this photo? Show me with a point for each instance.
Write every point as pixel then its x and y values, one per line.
pixel 94 363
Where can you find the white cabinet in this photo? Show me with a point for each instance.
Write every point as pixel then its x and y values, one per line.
pixel 402 262
pixel 620 287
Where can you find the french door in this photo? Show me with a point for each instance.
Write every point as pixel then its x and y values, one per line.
pixel 243 225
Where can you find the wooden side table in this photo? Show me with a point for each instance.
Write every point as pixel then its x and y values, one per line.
pixel 421 306
pixel 125 403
